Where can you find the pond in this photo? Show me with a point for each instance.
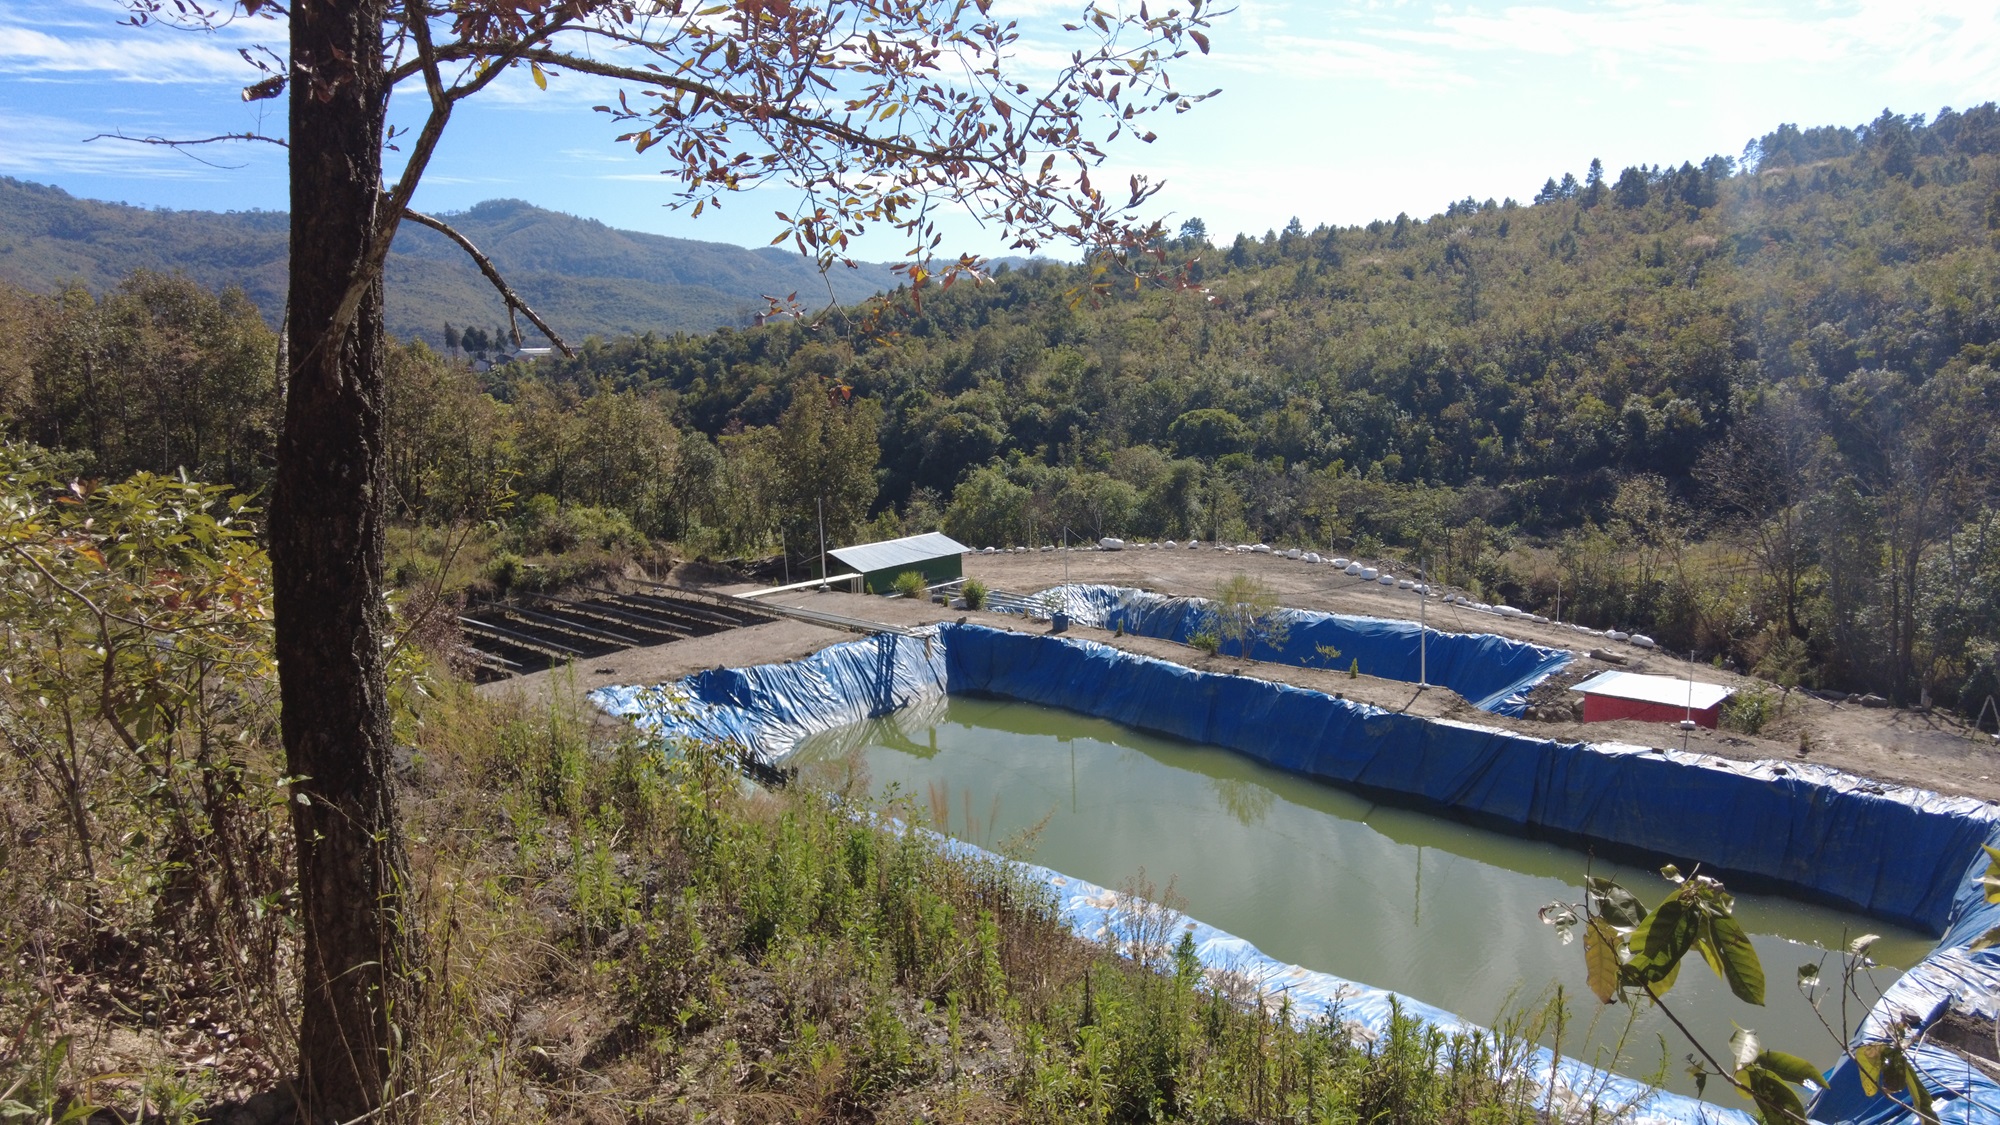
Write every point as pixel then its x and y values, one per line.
pixel 1333 881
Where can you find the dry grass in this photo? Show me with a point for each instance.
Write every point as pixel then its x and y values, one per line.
pixel 620 934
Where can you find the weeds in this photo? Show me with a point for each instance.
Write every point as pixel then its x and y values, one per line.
pixel 767 956
pixel 612 929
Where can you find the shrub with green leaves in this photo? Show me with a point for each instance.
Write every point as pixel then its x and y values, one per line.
pixel 909 584
pixel 546 528
pixel 138 698
pixel 975 593
pixel 1634 954
pixel 1749 710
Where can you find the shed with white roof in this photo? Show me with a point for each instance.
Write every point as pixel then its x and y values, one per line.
pixel 1654 699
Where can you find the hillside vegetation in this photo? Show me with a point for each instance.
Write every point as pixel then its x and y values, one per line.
pixel 585 277
pixel 611 930
pixel 1744 406
pixel 1787 358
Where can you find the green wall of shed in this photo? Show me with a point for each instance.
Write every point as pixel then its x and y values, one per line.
pixel 937 570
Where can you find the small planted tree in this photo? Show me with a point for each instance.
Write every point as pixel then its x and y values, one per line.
pixel 1245 612
pixel 909 584
pixel 1785 663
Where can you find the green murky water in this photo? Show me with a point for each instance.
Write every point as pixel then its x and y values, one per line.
pixel 1326 879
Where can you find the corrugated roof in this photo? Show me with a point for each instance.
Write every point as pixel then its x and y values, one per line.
pixel 1666 690
pixel 866 557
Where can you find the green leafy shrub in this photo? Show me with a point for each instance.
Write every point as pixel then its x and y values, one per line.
pixel 909 584
pixel 546 528
pixel 504 570
pixel 1748 711
pixel 1206 641
pixel 412 571
pixel 975 594
pixel 138 702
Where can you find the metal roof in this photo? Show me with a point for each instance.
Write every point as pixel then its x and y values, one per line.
pixel 1666 690
pixel 866 558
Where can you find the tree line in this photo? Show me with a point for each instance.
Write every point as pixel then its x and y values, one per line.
pixel 1740 404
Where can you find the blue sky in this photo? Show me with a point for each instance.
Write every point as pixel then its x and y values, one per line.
pixel 1332 110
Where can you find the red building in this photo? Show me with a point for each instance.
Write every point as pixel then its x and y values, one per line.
pixel 1653 699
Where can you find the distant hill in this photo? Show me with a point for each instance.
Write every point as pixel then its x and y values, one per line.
pixel 580 274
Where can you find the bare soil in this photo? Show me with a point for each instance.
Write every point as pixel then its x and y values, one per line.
pixel 1923 749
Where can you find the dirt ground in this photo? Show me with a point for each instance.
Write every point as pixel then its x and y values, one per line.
pixel 1928 750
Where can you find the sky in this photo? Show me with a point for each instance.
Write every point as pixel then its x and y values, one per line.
pixel 1333 111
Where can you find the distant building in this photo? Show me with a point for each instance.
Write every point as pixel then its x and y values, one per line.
pixel 936 556
pixel 1653 699
pixel 529 355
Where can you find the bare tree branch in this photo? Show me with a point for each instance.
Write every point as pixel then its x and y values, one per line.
pixel 492 273
pixel 179 144
pixel 174 143
pixel 397 203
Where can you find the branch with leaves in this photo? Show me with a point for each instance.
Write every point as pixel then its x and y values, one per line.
pixel 1631 953
pixel 874 111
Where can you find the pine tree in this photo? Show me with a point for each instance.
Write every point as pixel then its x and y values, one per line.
pixel 1632 190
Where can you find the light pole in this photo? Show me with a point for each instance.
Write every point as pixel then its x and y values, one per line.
pixel 1687 717
pixel 1423 637
pixel 820 503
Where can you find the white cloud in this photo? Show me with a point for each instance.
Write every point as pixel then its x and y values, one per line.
pixel 1928 39
pixel 1627 45
pixel 1349 60
pixel 151 57
pixel 38 145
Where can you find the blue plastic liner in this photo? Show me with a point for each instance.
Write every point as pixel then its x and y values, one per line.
pixel 1898 853
pixel 1494 673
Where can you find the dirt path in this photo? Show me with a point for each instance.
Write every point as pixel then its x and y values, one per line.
pixel 1927 750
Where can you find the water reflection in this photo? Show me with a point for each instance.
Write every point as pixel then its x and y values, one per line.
pixel 1247 801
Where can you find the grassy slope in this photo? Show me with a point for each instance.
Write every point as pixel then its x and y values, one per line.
pixel 614 934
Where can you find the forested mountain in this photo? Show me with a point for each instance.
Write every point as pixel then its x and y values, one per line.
pixel 584 277
pixel 1788 354
pixel 1748 407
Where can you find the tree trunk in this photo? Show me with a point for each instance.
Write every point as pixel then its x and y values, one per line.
pixel 326 559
